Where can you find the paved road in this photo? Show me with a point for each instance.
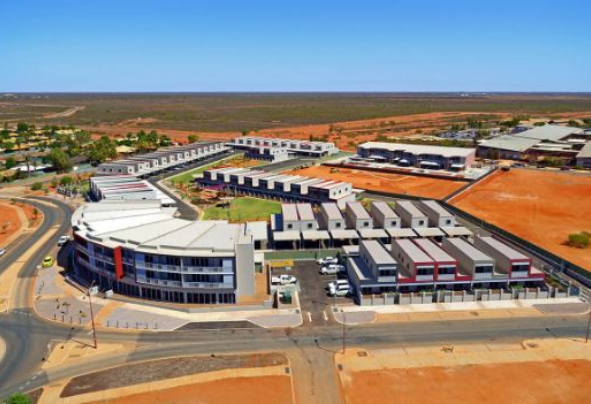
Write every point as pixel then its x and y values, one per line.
pixel 27 336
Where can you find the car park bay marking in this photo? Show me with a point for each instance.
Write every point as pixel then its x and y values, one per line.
pixel 309 317
pixel 324 315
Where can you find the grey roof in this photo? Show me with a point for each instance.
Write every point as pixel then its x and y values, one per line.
pixel 305 211
pixel 510 143
pixel 410 208
pixel 551 133
pixel 503 248
pixel 468 249
pixel 332 211
pixel 384 209
pixel 435 207
pixel 378 253
pixel 358 210
pixel 412 250
pixel 585 151
pixel 433 250
pixel 289 211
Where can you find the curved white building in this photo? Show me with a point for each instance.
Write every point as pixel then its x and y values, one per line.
pixel 140 249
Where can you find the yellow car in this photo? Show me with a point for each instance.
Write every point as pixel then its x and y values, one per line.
pixel 47 262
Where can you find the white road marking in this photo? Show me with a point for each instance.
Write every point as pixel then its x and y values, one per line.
pixel 324 315
pixel 309 317
pixel 89 332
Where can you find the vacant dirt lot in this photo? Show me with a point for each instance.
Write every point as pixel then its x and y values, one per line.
pixel 549 382
pixel 245 390
pixel 541 207
pixel 396 183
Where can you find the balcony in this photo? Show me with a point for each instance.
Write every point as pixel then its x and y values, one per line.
pixel 158 267
pixel 207 270
pixel 160 282
pixel 207 285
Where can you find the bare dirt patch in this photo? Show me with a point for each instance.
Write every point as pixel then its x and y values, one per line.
pixel 245 390
pixel 386 182
pixel 166 369
pixel 549 382
pixel 540 206
pixel 10 222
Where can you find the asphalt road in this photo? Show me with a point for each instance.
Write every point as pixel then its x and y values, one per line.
pixel 27 336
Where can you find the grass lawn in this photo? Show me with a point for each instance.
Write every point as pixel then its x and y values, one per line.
pixel 187 176
pixel 243 209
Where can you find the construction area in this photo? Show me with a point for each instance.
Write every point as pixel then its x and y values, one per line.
pixel 386 182
pixel 539 206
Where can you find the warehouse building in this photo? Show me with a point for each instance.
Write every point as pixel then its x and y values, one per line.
pixel 138 248
pixel 409 155
pixel 126 187
pixel 292 146
pixel 278 186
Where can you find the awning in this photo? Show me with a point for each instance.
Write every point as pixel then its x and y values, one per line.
pixel 351 250
pixel 258 230
pixel 344 234
pixel 376 157
pixel 429 231
pixel 286 235
pixel 373 233
pixel 401 233
pixel 313 235
pixel 456 231
pixel 403 161
pixel 430 164
pixel 457 165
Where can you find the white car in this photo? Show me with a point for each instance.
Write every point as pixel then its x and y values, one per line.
pixel 332 269
pixel 283 280
pixel 327 261
pixel 2 251
pixel 341 290
pixel 63 240
pixel 335 284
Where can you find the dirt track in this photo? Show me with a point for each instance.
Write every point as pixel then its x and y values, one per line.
pixel 396 183
pixel 541 207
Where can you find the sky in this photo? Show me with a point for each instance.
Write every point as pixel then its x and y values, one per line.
pixel 283 45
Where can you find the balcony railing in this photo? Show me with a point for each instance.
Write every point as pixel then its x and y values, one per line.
pixel 207 285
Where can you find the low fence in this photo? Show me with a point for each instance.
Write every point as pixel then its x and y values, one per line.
pixel 478 295
pixel 301 254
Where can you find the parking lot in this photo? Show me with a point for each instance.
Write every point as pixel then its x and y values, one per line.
pixel 314 299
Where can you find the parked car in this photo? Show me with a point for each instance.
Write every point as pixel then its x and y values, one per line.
pixel 2 251
pixel 338 282
pixel 63 240
pixel 327 261
pixel 332 269
pixel 283 280
pixel 47 262
pixel 340 290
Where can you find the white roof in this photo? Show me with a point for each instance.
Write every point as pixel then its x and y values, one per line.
pixel 435 207
pixel 410 208
pixel 358 210
pixel 552 133
pixel 401 233
pixel 290 235
pixel 434 251
pixel 315 235
pixel 332 211
pixel 384 209
pixel 470 251
pixel 378 253
pixel 457 231
pixel 585 151
pixel 289 212
pixel 305 211
pixel 429 231
pixel 511 143
pixel 373 233
pixel 414 252
pixel 504 249
pixel 344 234
pixel 420 149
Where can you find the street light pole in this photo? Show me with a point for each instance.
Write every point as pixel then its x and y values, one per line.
pixel 92 317
pixel 588 327
pixel 344 333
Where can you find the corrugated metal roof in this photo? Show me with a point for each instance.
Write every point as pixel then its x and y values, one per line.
pixel 549 132
pixel 510 143
pixel 585 151
pixel 420 149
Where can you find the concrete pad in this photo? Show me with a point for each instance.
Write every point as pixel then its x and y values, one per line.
pixel 354 318
pixel 277 321
pixel 566 308
pixel 124 318
pixel 67 309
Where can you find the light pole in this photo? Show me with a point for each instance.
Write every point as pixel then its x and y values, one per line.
pixel 92 316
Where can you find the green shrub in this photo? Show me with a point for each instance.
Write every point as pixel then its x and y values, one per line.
pixel 66 180
pixel 37 186
pixel 579 240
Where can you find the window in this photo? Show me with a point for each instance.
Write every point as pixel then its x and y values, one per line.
pixel 448 221
pixel 446 270
pixel 424 271
pixel 421 222
pixel 393 223
pixel 365 224
pixel 338 225
pixel 310 225
pixel 487 269
pixel 289 226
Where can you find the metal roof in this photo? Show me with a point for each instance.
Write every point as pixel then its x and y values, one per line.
pixel 305 211
pixel 433 250
pixel 378 253
pixel 585 151
pixel 384 209
pixel 429 231
pixel 401 233
pixel 410 208
pixel 435 207
pixel 420 149
pixel 344 234
pixel 315 235
pixel 291 235
pixel 468 249
pixel 358 210
pixel 412 250
pixel 289 212
pixel 510 143
pixel 332 211
pixel 373 233
pixel 503 248
pixel 456 231
pixel 551 133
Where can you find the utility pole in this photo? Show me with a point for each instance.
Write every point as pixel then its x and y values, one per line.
pixel 92 317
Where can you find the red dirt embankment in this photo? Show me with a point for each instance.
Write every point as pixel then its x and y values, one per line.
pixel 540 206
pixel 395 183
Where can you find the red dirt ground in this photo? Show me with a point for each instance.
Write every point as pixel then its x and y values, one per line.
pixel 8 216
pixel 244 390
pixel 397 183
pixel 541 207
pixel 550 382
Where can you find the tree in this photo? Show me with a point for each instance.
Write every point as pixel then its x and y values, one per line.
pixel 10 163
pixel 59 160
pixel 245 132
pixel 164 141
pixel 102 149
pixel 22 127
pixel 194 138
pixel 66 180
pixel 18 398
